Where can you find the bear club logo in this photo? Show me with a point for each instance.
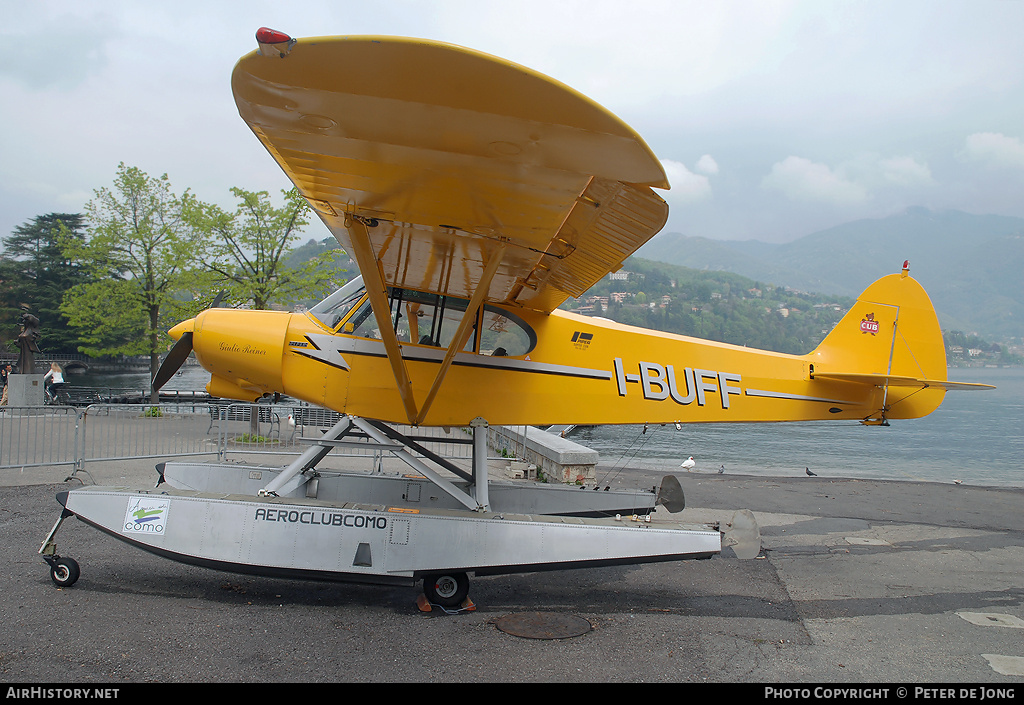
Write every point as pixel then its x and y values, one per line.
pixel 868 324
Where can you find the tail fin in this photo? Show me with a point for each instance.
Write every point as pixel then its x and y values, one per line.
pixel 890 338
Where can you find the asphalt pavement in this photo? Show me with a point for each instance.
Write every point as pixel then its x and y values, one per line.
pixel 858 582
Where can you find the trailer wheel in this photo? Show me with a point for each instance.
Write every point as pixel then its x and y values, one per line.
pixel 64 572
pixel 446 589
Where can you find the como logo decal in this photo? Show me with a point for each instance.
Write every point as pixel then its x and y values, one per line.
pixel 868 324
pixel 146 515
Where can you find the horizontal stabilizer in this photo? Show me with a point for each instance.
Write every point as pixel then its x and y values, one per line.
pixel 900 381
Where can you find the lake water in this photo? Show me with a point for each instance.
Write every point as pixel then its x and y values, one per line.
pixel 189 378
pixel 975 436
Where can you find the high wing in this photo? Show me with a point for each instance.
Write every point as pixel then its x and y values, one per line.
pixel 465 169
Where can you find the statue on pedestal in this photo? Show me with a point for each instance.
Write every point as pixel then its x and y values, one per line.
pixel 27 343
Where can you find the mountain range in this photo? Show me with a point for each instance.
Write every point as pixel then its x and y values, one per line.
pixel 971 265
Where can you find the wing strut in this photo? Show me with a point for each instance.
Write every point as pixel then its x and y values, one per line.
pixel 377 291
pixel 464 329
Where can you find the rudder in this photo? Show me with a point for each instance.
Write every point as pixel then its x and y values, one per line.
pixel 890 338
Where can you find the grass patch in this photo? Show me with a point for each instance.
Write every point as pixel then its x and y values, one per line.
pixel 253 438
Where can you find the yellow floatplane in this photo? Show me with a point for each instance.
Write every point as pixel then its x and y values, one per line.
pixel 475 196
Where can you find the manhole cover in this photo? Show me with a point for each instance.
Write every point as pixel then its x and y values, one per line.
pixel 543 625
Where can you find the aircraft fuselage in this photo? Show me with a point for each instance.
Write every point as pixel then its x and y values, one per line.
pixel 557 367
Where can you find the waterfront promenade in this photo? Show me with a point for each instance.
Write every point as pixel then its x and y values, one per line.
pixel 858 582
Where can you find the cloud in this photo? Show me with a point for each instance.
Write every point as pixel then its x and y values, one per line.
pixel 905 171
pixel 995 148
pixel 803 180
pixel 52 49
pixel 687 47
pixel 707 165
pixel 687 187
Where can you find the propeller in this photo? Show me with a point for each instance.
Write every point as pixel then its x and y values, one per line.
pixel 175 359
pixel 179 352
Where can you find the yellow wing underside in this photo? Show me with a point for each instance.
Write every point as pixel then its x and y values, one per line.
pixel 455 156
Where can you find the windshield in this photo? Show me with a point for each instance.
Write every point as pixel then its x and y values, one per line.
pixel 333 309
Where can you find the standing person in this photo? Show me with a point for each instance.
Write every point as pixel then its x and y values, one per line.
pixel 53 380
pixel 5 375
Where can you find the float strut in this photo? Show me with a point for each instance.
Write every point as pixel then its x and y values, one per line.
pixel 480 479
pixel 309 458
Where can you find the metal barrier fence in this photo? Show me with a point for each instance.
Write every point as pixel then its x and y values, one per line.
pixel 64 435
pixel 120 432
pixel 288 430
pixel 37 436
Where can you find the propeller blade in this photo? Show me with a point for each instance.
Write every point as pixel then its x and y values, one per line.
pixel 175 359
pixel 218 298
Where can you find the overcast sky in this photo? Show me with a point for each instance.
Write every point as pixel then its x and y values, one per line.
pixel 773 119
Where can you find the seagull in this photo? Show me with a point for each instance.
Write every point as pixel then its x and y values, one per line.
pixel 809 473
pixel 688 463
pixel 721 470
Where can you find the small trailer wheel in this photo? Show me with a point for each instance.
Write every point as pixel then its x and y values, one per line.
pixel 446 589
pixel 64 571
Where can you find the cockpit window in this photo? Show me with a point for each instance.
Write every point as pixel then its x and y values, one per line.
pixel 333 309
pixel 433 319
pixel 428 319
pixel 505 334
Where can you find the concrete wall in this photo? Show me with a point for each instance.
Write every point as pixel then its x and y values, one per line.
pixel 560 459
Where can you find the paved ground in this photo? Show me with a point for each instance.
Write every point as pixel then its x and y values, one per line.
pixel 859 582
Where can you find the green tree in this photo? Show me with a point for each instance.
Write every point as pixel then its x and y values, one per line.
pixel 252 248
pixel 34 274
pixel 140 249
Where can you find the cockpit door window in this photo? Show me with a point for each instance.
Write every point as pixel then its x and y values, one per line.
pixel 421 318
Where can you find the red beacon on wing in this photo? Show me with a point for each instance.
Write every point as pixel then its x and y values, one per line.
pixel 273 43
